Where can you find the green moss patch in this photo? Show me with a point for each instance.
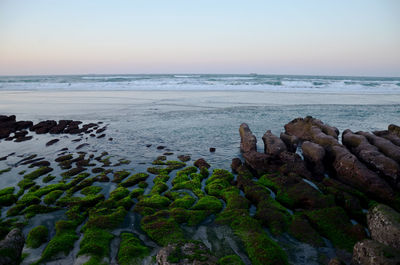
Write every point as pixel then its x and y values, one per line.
pixel 230 260
pixel 131 250
pixel 38 172
pixel 37 236
pixel 134 179
pixel 52 197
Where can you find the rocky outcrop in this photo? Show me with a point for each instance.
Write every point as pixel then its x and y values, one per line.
pixel 273 145
pixel 314 155
pixel 290 141
pixel 370 155
pixel 190 253
pixel 276 158
pixel 347 167
pixel 384 248
pixel 384 224
pixel 394 138
pixel 248 141
pixel 385 146
pixel 370 252
pixel 201 162
pixel 11 247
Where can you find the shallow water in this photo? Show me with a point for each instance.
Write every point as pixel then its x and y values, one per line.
pixel 186 122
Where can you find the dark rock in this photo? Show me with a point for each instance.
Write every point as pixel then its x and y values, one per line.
pixel 51 142
pixel 384 224
pixel 370 252
pixel 248 142
pixel 81 146
pixel 40 164
pixel 110 139
pixel 212 149
pixel 60 127
pixel 370 155
pixel 291 141
pixel 23 138
pixel 20 134
pixel 160 147
pixel 92 135
pixel 102 178
pixel 314 155
pixel 11 247
pixel 351 171
pixel 101 136
pixel 273 145
pixel 392 128
pixel 43 126
pixel 76 140
pixel 184 158
pixel 4 118
pixel 148 145
pixel 101 130
pixel 21 125
pixel 301 128
pixel 236 164
pixel 385 146
pixel 394 138
pixel 4 132
pixel 199 163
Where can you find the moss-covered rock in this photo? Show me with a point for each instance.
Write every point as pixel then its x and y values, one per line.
pixel 6 191
pixel 136 192
pixel 95 243
pixel 52 196
pixel 131 250
pixel 33 210
pixel 72 172
pixel 208 203
pixel 302 230
pixel 91 190
pixel 7 199
pixel 186 201
pixel 120 175
pixel 38 172
pixel 48 178
pixel 334 224
pixel 62 242
pixel 104 218
pixel 159 188
pixel 134 179
pixel 162 228
pixel 37 236
pixel 25 184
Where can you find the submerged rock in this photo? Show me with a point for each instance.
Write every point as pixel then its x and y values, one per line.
pixel 11 247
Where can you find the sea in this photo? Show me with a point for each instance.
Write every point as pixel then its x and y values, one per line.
pixel 187 114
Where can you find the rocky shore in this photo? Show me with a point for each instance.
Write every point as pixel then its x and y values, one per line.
pixel 337 194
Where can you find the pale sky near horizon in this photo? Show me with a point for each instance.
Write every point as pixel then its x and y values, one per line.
pixel 342 37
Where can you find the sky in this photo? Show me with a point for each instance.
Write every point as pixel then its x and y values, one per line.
pixel 341 37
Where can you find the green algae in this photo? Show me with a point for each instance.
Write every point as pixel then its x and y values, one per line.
pixel 5 170
pixel 52 196
pixel 72 172
pixel 37 236
pixel 35 209
pixel 5 191
pixel 96 243
pixel 301 229
pixel 186 201
pixel 25 184
pixel 208 203
pixel 131 250
pixel 37 173
pixel 91 190
pixel 48 178
pixel 120 175
pixel 7 199
pixel 162 228
pixel 159 188
pixel 135 193
pixel 134 179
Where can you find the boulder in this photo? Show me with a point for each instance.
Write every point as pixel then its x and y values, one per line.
pixel 314 155
pixel 370 252
pixel 199 163
pixel 394 138
pixel 394 129
pixel 301 128
pixel 43 126
pixel 351 171
pixel 370 155
pixel 384 224
pixel 11 247
pixel 248 142
pixel 291 141
pixel 190 253
pixel 385 146
pixel 273 145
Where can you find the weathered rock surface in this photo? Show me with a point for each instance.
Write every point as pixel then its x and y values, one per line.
pixel 384 224
pixel 175 254
pixel 347 167
pixel 314 155
pixel 248 141
pixel 291 141
pixel 385 146
pixel 11 247
pixel 394 138
pixel 370 252
pixel 394 129
pixel 273 145
pixel 201 162
pixel 370 155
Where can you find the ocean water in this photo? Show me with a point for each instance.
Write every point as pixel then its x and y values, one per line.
pixel 188 114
